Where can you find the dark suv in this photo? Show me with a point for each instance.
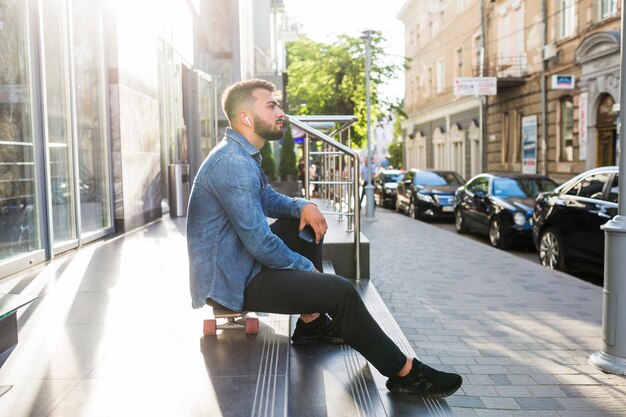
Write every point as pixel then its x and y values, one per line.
pixel 566 222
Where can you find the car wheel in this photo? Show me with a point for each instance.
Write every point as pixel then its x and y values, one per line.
pixel 496 235
pixel 412 210
pixel 459 222
pixel 551 250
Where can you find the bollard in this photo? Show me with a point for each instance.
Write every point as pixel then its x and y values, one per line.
pixel 178 192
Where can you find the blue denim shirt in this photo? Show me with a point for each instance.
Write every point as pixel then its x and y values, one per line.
pixel 228 236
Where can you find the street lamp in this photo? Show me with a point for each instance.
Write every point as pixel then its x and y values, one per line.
pixel 612 358
pixel 369 188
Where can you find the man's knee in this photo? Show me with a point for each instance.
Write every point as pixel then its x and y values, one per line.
pixel 343 289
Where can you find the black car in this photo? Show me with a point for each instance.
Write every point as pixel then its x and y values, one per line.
pixel 385 186
pixel 566 222
pixel 499 206
pixel 427 193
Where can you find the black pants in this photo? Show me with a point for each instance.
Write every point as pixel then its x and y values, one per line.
pixel 285 291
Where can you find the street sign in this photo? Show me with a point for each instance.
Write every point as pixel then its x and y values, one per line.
pixel 475 86
pixel 563 82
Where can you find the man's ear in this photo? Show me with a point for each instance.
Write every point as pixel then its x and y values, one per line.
pixel 244 119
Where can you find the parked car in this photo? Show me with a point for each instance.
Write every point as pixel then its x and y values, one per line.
pixel 427 193
pixel 566 222
pixel 499 206
pixel 385 187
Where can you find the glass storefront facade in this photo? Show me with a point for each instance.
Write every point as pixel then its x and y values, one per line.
pixel 19 198
pixel 54 147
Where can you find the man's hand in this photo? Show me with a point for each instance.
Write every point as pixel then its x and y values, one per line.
pixel 312 216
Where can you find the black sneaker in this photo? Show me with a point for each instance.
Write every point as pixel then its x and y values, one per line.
pixel 425 381
pixel 320 330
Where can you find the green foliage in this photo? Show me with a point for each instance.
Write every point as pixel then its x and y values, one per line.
pixel 287 164
pixel 268 164
pixel 396 153
pixel 329 79
pixel 396 147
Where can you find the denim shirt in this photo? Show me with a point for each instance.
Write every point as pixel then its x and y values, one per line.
pixel 228 236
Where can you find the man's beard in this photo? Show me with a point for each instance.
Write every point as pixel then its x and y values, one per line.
pixel 267 131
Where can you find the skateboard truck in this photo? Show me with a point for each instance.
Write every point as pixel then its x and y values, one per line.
pixel 226 319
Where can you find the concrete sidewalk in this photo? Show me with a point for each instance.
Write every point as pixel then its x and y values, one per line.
pixel 112 332
pixel 519 334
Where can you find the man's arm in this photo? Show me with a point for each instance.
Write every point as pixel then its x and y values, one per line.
pixel 239 196
pixel 280 205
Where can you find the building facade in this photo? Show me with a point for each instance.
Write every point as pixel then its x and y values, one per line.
pixel 566 73
pixel 443 41
pixel 557 70
pixel 98 99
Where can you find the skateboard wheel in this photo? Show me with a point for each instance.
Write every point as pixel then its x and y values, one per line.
pixel 210 327
pixel 252 325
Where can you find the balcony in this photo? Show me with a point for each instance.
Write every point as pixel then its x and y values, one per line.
pixel 509 69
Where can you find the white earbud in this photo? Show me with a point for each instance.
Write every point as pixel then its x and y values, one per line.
pixel 247 121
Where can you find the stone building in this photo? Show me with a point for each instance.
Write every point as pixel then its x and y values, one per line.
pixel 559 64
pixel 442 42
pixel 577 60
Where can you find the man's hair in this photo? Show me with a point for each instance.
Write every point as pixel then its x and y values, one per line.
pixel 237 94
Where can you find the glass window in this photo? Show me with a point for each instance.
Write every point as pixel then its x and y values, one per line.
pixel 521 187
pixel 567 18
pixel 58 120
pixel 479 184
pixel 614 191
pixel 90 114
pixel 441 76
pixel 590 187
pixel 607 8
pixel 393 177
pixel 567 129
pixel 433 179
pixel 19 206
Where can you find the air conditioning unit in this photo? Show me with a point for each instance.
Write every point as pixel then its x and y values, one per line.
pixel 549 51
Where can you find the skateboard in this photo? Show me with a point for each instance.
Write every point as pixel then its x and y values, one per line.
pixel 227 319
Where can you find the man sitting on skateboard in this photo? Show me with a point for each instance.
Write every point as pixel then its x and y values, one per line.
pixel 241 262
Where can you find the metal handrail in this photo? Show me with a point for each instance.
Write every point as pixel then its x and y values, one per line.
pixel 353 214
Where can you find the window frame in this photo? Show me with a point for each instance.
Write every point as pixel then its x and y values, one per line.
pixel 563 129
pixel 566 16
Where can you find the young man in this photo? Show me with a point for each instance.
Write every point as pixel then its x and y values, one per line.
pixel 239 261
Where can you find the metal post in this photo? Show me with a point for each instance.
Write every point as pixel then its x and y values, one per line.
pixel 612 358
pixel 544 104
pixel 369 188
pixel 307 193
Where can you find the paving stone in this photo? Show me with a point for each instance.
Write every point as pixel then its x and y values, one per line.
pixel 529 330
pixel 465 401
pixel 500 403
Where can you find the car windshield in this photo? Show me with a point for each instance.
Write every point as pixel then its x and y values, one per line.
pixel 521 187
pixel 393 177
pixel 434 179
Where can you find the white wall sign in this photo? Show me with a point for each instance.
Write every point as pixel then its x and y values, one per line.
pixel 529 144
pixel 563 82
pixel 475 86
pixel 583 111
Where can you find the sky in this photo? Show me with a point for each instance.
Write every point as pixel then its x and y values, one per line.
pixel 323 20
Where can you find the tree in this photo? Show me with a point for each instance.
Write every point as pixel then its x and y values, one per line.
pixel 329 79
pixel 396 147
pixel 267 164
pixel 287 164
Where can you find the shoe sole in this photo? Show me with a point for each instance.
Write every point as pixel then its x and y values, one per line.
pixel 405 390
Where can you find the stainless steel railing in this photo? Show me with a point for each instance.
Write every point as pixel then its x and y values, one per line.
pixel 338 184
